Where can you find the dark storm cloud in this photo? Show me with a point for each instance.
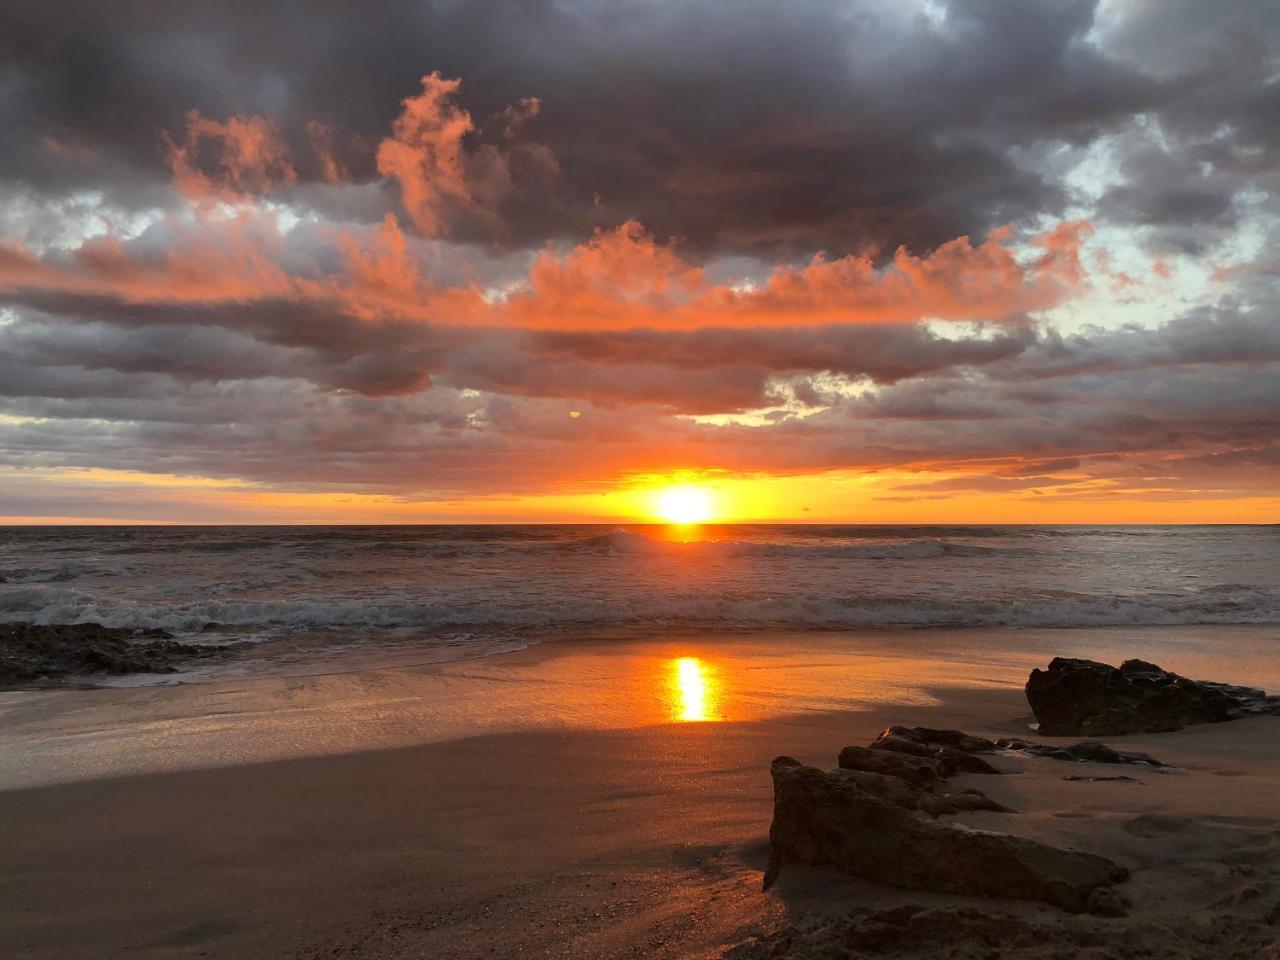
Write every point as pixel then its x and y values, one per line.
pixel 489 339
pixel 1213 137
pixel 709 371
pixel 759 126
pixel 439 443
pixel 1211 398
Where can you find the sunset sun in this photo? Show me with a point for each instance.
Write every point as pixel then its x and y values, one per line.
pixel 684 505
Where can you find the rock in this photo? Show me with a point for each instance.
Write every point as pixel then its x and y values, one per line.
pixel 944 738
pixel 33 652
pixel 943 803
pixel 1119 779
pixel 904 769
pixel 897 791
pixel 831 818
pixel 912 931
pixel 920 742
pixel 1087 698
pixel 912 748
pixel 1090 751
pixel 921 771
pixel 930 799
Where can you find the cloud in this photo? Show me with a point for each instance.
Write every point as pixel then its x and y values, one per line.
pixel 441 175
pixel 425 152
pixel 332 170
pixel 776 130
pixel 618 280
pixel 497 418
pixel 1024 246
pixel 247 157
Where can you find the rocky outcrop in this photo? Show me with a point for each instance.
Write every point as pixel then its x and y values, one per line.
pixel 912 931
pixel 933 799
pixel 30 653
pixel 921 772
pixel 954 739
pixel 950 751
pixel 908 766
pixel 1087 698
pixel 1086 751
pixel 832 818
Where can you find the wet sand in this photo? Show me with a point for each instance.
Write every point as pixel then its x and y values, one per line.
pixel 574 800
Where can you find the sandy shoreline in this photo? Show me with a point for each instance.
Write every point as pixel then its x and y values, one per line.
pixel 605 829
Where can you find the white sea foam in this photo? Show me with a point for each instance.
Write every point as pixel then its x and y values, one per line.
pixel 1212 605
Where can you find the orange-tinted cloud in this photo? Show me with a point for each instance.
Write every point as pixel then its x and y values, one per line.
pixel 203 265
pixel 383 281
pixel 245 154
pixel 625 278
pixel 424 153
pixel 620 279
pixel 321 136
pixel 440 174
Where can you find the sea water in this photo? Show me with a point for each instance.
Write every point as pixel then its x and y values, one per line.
pixel 447 592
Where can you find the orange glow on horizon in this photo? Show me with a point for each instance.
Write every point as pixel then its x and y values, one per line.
pixel 832 497
pixel 684 505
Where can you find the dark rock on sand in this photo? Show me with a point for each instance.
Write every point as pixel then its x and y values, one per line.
pixel 1087 698
pixel 931 800
pixel 920 771
pixel 831 818
pixel 955 739
pixel 950 750
pixel 904 767
pixel 1120 779
pixel 33 652
pixel 912 931
pixel 1086 751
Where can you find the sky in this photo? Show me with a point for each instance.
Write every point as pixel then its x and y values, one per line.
pixel 864 261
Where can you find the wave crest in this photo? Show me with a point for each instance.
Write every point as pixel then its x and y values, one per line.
pixel 1219 604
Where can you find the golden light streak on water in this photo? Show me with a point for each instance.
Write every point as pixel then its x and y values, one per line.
pixel 697 691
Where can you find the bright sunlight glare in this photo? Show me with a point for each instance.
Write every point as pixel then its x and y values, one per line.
pixel 684 505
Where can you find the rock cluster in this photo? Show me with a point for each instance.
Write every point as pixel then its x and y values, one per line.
pixel 34 652
pixel 1086 698
pixel 912 931
pixel 1086 751
pixel 908 766
pixel 875 817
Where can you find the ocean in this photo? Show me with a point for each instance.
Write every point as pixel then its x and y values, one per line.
pixel 449 592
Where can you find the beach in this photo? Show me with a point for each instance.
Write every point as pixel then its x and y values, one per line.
pixel 640 481
pixel 586 798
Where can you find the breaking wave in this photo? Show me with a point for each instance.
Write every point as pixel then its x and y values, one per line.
pixel 505 581
pixel 1219 604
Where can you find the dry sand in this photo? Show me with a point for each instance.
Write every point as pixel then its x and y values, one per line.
pixel 604 828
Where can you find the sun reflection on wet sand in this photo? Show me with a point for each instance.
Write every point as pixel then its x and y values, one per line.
pixel 697 692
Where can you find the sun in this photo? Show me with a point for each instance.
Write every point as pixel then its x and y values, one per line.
pixel 684 504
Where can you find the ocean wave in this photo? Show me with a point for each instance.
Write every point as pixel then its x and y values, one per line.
pixel 63 573
pixel 1220 604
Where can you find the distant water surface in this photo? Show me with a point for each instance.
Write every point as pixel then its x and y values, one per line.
pixel 456 591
